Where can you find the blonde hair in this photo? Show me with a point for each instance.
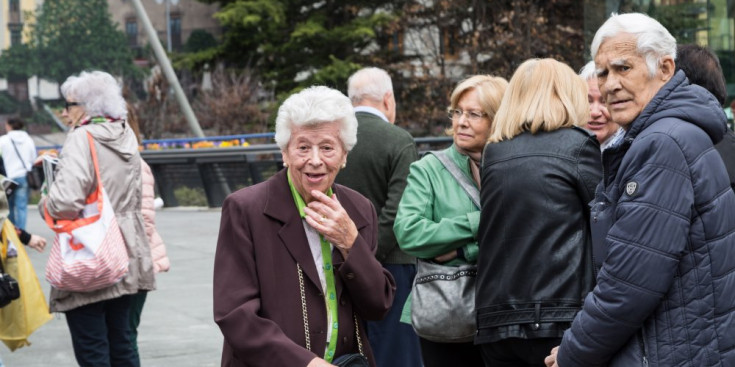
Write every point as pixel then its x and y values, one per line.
pixel 543 95
pixel 490 90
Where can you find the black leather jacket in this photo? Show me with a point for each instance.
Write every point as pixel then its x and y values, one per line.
pixel 535 261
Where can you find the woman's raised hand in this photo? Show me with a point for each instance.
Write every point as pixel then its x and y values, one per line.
pixel 329 218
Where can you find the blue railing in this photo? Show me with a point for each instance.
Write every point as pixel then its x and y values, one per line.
pixel 219 171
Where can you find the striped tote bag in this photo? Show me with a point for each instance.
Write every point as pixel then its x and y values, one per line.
pixel 89 252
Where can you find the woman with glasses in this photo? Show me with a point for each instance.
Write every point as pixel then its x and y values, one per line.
pixel 436 219
pixel 539 172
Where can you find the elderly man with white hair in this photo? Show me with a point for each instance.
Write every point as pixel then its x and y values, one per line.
pixel 663 219
pixel 378 167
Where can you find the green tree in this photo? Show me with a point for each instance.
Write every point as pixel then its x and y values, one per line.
pixel 69 36
pixel 293 43
pixel 18 63
pixel 200 40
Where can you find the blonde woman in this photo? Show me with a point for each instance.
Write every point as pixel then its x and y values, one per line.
pixel 436 219
pixel 539 172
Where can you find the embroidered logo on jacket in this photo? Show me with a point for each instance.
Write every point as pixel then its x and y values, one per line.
pixel 631 188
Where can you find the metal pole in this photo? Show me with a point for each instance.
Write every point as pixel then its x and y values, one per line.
pixel 168 25
pixel 168 71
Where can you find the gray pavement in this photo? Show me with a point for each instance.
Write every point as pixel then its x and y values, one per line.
pixel 177 327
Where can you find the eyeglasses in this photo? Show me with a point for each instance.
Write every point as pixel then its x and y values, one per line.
pixel 474 116
pixel 68 104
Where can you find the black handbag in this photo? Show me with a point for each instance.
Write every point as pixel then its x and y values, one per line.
pixel 34 176
pixel 9 289
pixel 351 360
pixel 346 360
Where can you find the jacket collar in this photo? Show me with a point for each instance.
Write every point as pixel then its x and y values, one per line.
pixel 681 100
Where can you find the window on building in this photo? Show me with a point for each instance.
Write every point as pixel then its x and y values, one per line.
pixel 16 33
pixel 450 37
pixel 14 6
pixel 16 37
pixel 175 24
pixel 395 43
pixel 131 30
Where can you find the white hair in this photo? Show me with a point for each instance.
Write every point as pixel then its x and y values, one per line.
pixel 371 83
pixel 653 40
pixel 588 71
pixel 316 105
pixel 99 93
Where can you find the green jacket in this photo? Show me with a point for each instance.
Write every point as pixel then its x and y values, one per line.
pixel 377 168
pixel 435 215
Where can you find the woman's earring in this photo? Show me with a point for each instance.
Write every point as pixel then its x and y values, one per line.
pixel 344 164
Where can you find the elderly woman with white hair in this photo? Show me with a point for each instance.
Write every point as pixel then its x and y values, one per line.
pixel 98 319
pixel 295 274
pixel 607 132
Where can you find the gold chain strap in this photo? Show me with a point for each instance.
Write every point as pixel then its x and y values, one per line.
pixel 357 334
pixel 305 314
pixel 303 307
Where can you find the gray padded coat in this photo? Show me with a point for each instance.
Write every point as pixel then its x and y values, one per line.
pixel 663 227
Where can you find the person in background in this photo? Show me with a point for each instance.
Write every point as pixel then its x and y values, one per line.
pixel 19 153
pixel 33 241
pixel 99 321
pixel 378 168
pixel 702 68
pixel 607 132
pixel 161 262
pixel 295 273
pixel 436 218
pixel 663 217
pixel 539 173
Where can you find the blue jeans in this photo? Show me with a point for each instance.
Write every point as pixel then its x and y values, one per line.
pixel 18 203
pixel 100 334
pixel 394 343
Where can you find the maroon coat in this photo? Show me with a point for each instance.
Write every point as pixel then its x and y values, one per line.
pixel 257 302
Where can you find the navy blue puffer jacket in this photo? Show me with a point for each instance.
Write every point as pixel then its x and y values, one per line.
pixel 663 227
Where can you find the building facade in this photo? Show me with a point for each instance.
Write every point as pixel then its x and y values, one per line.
pixel 14 22
pixel 185 17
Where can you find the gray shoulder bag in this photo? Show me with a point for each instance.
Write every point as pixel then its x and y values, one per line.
pixel 443 297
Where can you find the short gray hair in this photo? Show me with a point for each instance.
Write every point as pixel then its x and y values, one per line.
pixel 653 40
pixel 588 71
pixel 98 91
pixel 372 83
pixel 313 106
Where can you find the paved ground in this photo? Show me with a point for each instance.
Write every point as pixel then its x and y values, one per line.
pixel 177 328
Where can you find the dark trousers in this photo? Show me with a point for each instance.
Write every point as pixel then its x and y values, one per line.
pixel 394 343
pixel 451 354
pixel 136 309
pixel 100 334
pixel 518 352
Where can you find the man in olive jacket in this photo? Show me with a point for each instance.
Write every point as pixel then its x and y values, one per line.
pixel 377 167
